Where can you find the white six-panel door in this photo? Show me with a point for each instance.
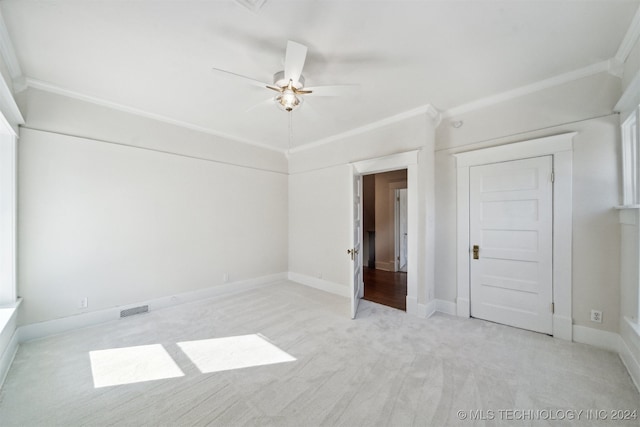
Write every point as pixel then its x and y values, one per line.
pixel 511 228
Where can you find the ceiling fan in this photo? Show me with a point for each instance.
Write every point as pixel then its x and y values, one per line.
pixel 289 83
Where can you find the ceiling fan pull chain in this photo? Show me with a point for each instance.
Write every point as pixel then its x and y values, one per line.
pixel 290 130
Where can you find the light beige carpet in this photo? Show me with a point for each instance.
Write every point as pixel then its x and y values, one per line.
pixel 291 356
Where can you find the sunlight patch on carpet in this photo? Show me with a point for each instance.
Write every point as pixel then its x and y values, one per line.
pixel 128 365
pixel 223 354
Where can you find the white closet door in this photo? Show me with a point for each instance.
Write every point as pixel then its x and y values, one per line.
pixel 511 219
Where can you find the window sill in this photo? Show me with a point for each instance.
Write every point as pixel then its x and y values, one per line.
pixel 7 312
pixel 622 207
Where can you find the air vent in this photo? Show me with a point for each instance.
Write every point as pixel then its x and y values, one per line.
pixel 252 5
pixel 134 310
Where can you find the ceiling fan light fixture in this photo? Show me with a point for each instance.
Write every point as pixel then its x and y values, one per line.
pixel 287 100
pixel 289 84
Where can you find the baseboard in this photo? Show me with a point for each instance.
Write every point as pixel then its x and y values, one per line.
pixel 630 348
pixel 630 362
pixel 612 342
pixel 563 327
pixel 386 265
pixel 83 320
pixel 597 338
pixel 413 308
pixel 446 307
pixel 430 308
pixel 463 307
pixel 320 284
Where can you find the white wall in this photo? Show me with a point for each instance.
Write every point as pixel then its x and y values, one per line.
pixel 585 98
pixel 319 225
pixel 56 113
pixel 596 236
pixel 121 224
pixel 409 134
pixel 321 178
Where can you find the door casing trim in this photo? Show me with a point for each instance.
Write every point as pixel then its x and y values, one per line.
pixel 407 160
pixel 561 148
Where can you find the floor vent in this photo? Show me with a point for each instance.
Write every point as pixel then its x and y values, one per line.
pixel 134 310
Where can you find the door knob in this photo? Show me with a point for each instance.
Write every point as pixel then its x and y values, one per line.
pixel 476 250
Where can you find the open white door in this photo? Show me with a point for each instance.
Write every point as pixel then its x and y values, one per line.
pixel 355 252
pixel 401 221
pixel 511 243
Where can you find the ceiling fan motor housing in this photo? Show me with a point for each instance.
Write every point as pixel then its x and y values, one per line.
pixel 279 80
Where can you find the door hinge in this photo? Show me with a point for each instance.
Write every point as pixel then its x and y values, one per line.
pixel 553 308
pixel 553 176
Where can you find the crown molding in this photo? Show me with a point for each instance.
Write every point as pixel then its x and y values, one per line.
pixel 9 107
pixel 434 113
pixel 630 99
pixel 428 109
pixel 8 52
pixel 599 67
pixel 630 38
pixel 616 68
pixel 51 88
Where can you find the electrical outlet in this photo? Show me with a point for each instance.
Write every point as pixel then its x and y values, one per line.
pixel 84 303
pixel 596 316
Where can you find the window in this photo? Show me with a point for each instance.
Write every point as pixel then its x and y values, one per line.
pixel 7 214
pixel 630 159
pixel 631 180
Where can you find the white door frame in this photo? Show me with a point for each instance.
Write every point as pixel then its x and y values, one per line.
pixel 409 161
pixel 561 148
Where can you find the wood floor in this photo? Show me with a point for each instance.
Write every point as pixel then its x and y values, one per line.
pixel 385 287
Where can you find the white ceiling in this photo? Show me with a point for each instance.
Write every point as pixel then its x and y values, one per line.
pixel 156 56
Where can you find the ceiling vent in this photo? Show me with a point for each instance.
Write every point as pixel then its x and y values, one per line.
pixel 252 5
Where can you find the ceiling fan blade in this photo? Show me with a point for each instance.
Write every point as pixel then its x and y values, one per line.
pixel 310 112
pixel 334 90
pixel 266 102
pixel 294 61
pixel 240 77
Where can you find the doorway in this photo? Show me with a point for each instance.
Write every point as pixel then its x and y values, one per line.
pixel 384 206
pixel 560 147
